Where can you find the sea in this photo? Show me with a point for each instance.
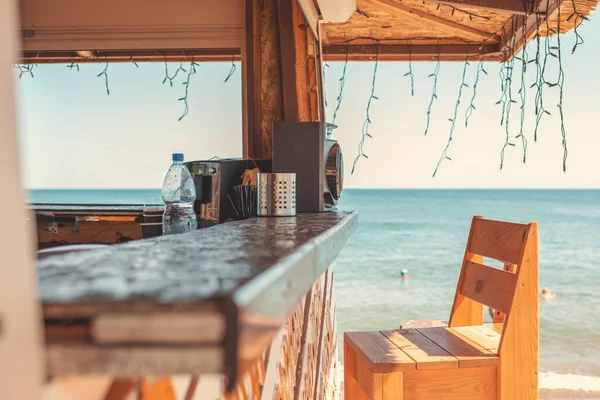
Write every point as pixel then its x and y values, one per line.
pixel 425 232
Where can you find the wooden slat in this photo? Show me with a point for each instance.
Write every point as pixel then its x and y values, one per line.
pixel 482 335
pixel 459 29
pixel 490 286
pixel 468 355
pixel 452 384
pixel 519 346
pixel 426 354
pixel 503 241
pixel 499 315
pixel 466 312
pixel 383 355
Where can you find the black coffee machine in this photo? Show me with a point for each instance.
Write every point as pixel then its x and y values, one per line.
pixel 214 180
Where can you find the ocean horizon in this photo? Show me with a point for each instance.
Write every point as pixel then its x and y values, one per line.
pixel 424 231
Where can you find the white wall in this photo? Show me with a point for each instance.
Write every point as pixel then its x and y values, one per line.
pixel 20 340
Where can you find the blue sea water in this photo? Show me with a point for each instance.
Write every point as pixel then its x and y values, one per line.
pixel 425 232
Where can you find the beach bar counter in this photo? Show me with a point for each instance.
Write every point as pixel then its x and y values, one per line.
pixel 251 298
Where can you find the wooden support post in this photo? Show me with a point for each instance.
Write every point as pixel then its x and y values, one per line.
pixel 20 339
pixel 281 82
pixel 261 77
pixel 251 80
pixel 300 65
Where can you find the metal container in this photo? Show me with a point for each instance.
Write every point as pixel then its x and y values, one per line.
pixel 276 195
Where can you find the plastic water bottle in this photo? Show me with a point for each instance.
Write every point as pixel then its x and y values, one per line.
pixel 179 193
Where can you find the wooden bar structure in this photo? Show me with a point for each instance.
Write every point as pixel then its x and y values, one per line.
pixel 254 306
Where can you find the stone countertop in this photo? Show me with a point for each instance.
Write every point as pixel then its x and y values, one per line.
pixel 247 276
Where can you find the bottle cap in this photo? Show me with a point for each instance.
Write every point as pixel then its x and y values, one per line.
pixel 177 156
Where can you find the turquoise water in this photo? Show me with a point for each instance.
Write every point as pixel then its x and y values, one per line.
pixel 425 231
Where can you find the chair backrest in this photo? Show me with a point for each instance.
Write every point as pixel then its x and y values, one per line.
pixel 512 291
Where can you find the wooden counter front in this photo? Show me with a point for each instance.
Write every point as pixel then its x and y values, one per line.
pixel 210 301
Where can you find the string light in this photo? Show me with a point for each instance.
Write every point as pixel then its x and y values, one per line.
pixel 25 69
pixel 342 83
pixel 367 123
pixel 410 70
pixel 560 83
pixel 192 71
pixel 434 96
pixel 325 66
pixel 105 73
pixel 73 65
pixel 471 107
pixel 172 78
pixel 523 92
pixel 579 18
pixel 454 9
pixel 508 100
pixel 444 155
pixel 539 77
pixel 232 70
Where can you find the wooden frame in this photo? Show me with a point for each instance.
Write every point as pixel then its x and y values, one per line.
pixel 402 52
pixel 509 6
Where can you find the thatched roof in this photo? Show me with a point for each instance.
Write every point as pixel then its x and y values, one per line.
pixel 419 30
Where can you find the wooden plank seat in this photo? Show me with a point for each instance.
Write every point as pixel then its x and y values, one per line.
pixel 462 358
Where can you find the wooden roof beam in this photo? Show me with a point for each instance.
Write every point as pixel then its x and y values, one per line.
pixel 459 29
pixel 402 52
pixel 508 6
pixel 522 36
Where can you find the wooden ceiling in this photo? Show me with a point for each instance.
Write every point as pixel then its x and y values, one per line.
pixel 454 30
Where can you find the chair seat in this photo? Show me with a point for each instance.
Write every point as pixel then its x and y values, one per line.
pixel 426 346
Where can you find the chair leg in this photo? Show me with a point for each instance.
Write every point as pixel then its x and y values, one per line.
pixel 392 386
pixel 352 390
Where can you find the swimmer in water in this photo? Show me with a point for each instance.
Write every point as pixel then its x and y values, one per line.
pixel 404 274
pixel 548 294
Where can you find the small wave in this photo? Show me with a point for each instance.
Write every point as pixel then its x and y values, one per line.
pixel 552 380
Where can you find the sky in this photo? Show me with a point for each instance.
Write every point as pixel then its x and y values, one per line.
pixel 73 135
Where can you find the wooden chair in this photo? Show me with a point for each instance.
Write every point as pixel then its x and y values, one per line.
pixel 465 359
